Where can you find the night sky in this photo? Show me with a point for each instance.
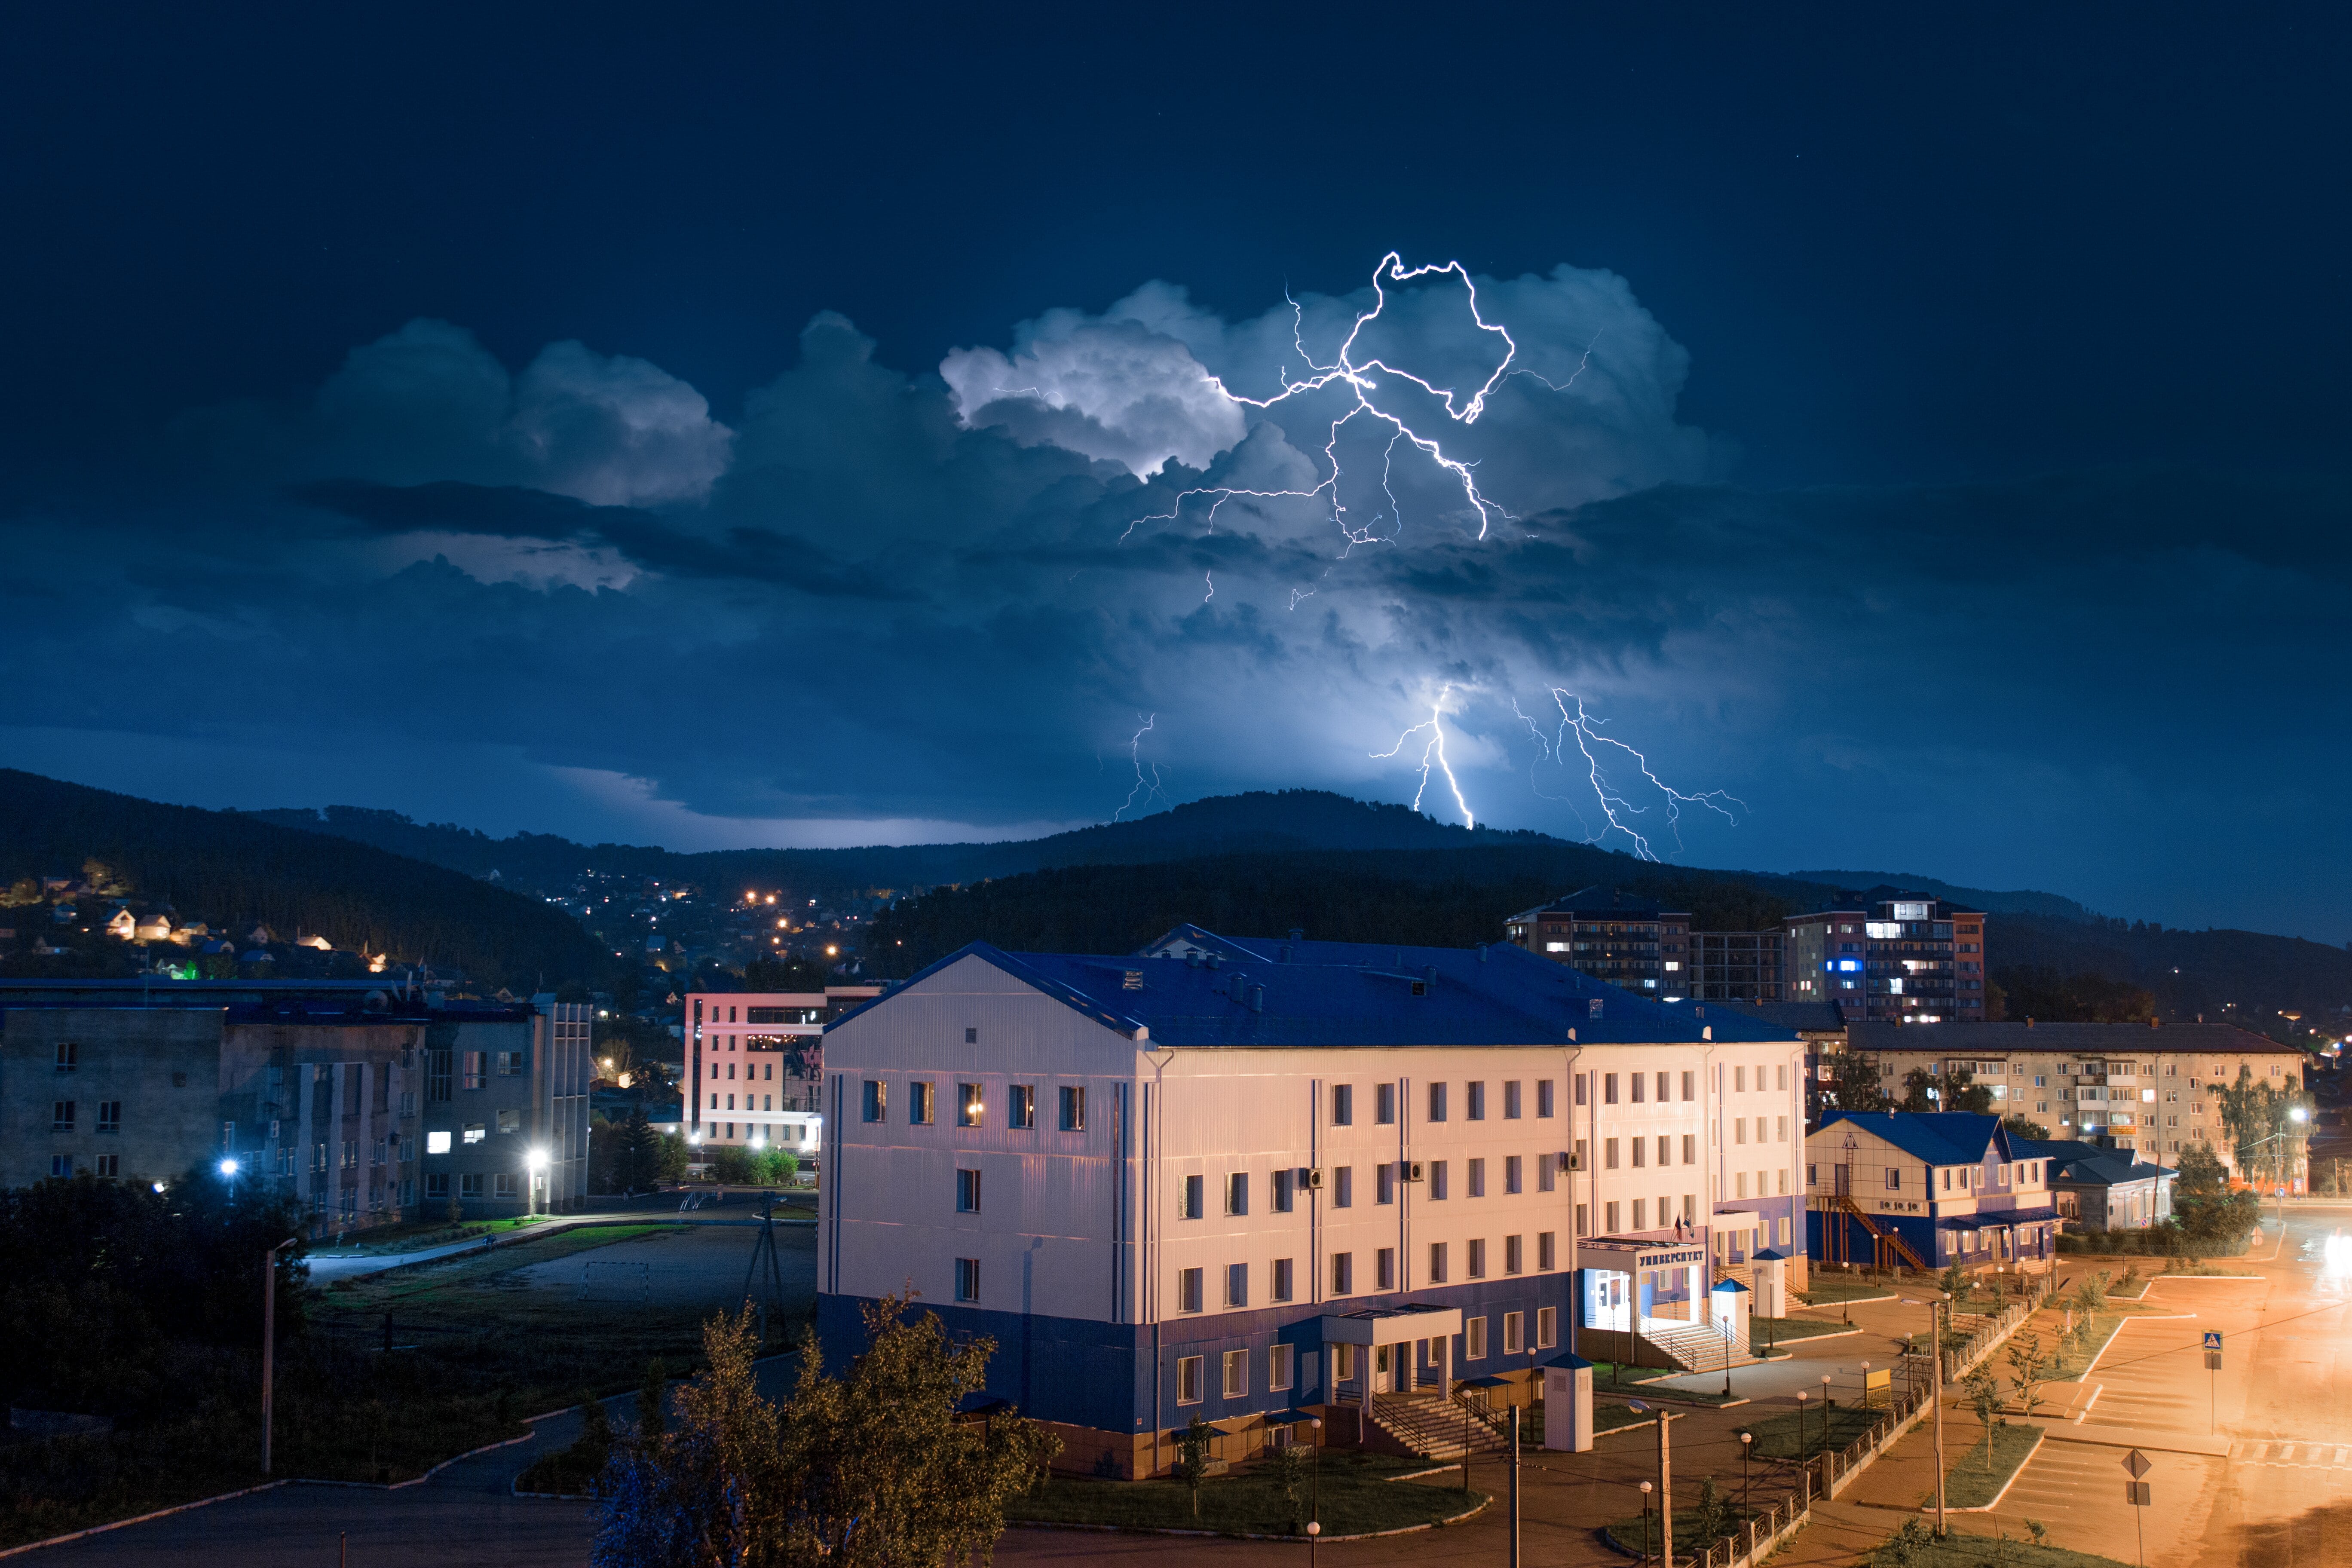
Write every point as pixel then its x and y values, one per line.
pixel 719 426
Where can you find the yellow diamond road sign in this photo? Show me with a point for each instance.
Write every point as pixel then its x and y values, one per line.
pixel 2137 1463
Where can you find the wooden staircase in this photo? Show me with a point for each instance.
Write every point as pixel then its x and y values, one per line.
pixel 1884 1241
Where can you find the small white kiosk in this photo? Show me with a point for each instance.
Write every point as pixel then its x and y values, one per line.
pixel 1567 1404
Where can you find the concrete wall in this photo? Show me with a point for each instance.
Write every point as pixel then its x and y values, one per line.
pixel 164 1066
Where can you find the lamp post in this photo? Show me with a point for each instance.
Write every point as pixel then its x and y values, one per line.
pixel 1315 1523
pixel 229 1169
pixel 1746 1475
pixel 1865 1385
pixel 1801 1397
pixel 1645 1522
pixel 1665 1482
pixel 537 1161
pixel 1935 1393
pixel 269 1342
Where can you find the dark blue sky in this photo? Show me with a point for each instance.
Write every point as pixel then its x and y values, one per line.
pixel 1955 472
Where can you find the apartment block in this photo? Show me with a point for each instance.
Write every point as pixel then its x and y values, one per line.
pixel 1748 966
pixel 755 1062
pixel 1890 956
pixel 1630 943
pixel 2115 1086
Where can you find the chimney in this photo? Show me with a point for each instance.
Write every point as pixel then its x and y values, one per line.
pixel 1482 952
pixel 1298 933
pixel 1257 998
pixel 2029 1023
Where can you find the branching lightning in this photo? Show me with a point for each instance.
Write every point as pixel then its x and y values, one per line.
pixel 1614 806
pixel 1149 789
pixel 1434 751
pixel 1360 379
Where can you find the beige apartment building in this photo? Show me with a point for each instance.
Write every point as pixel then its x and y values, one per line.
pixel 2119 1086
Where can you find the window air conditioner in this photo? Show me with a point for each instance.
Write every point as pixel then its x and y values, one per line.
pixel 1411 1169
pixel 1313 1179
pixel 1571 1162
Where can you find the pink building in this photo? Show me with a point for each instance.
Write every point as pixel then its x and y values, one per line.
pixel 754 1059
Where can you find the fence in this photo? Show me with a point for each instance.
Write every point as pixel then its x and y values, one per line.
pixel 1760 1536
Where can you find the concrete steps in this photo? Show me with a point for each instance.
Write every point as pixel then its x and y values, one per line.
pixel 1433 1428
pixel 1696 1345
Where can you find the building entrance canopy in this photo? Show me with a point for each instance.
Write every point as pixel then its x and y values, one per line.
pixel 1391 1325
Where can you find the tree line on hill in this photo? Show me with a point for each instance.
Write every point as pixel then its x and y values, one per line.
pixel 233 871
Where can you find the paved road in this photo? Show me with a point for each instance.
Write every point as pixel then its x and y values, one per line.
pixel 734 1208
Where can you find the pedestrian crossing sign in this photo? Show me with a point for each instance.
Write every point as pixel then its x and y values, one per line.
pixel 2213 1339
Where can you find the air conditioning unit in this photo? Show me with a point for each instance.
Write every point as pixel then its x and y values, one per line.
pixel 1571 1162
pixel 1411 1169
pixel 1314 1180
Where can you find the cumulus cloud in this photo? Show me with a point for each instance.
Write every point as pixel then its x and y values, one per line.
pixel 1111 388
pixel 429 403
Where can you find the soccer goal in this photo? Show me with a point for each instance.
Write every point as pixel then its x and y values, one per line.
pixel 601 1281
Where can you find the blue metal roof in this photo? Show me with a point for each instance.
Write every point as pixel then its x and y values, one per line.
pixel 1261 992
pixel 1938 1137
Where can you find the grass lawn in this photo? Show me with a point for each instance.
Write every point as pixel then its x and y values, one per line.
pixel 482 1352
pixel 1628 1535
pixel 1828 1289
pixel 1797 1434
pixel 1357 1499
pixel 2067 1361
pixel 416 1236
pixel 1977 1477
pixel 1959 1550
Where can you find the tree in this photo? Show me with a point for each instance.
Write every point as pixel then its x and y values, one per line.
pixel 2029 1368
pixel 637 1157
pixel 1983 1394
pixel 2267 1138
pixel 653 1397
pixel 730 1163
pixel 1192 1459
pixel 2209 1213
pixel 774 1167
pixel 871 1470
pixel 1853 1083
pixel 1923 1091
pixel 2037 991
pixel 769 972
pixel 2025 1127
pixel 1289 1463
pixel 1714 1514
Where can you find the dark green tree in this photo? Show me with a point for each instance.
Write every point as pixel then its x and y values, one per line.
pixel 2025 1127
pixel 1854 1082
pixel 2211 1217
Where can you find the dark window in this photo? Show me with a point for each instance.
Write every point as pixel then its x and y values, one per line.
pixel 1284 1185
pixel 918 1104
pixel 967 1192
pixel 1384 1104
pixel 61 1116
pixel 68 1056
pixel 109 1117
pixel 1343 1104
pixel 1437 1102
pixel 437 1075
pixel 1189 1203
pixel 1282 1279
pixel 1511 1108
pixel 967 1280
pixel 1544 1098
pixel 1237 1192
pixel 1609 1088
pixel 1236 1284
pixel 1188 1290
pixel 877 1100
pixel 1074 1109
pixel 1024 1105
pixel 971 1037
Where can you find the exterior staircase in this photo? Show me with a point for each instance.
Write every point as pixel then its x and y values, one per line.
pixel 1696 1345
pixel 1431 1426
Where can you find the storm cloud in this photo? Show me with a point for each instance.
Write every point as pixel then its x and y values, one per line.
pixel 875 596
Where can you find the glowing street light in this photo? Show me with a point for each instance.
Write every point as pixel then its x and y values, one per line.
pixel 228 1167
pixel 537 1160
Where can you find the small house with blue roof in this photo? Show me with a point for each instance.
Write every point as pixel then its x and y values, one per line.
pixel 1888 1187
pixel 1255 1180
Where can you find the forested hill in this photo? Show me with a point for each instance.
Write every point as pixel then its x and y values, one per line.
pixel 1457 898
pixel 230 870
pixel 1256 822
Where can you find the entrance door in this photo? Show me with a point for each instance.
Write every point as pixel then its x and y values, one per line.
pixel 1842 1179
pixel 1384 1361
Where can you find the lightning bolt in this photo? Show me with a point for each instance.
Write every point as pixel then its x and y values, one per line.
pixel 1360 379
pixel 1147 788
pixel 1614 806
pixel 1434 751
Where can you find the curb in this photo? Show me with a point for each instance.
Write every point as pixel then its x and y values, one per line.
pixel 2038 1438
pixel 158 1513
pixel 1243 1536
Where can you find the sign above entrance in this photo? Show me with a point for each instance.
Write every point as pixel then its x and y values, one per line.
pixel 1639 1255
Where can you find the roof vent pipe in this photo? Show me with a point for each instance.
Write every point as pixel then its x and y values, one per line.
pixel 1482 952
pixel 1215 960
pixel 1257 998
pixel 1429 972
pixel 1298 933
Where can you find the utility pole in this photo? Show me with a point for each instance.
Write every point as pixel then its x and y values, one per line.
pixel 1666 1492
pixel 1935 1349
pixel 269 1342
pixel 1514 1487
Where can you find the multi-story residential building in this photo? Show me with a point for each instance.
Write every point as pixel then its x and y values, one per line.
pixel 1892 956
pixel 1630 943
pixel 1926 1191
pixel 363 1104
pixel 505 1108
pixel 754 1063
pixel 1247 1179
pixel 2119 1086
pixel 1736 966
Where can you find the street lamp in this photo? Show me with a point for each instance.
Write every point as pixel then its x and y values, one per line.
pixel 1747 1475
pixel 537 1160
pixel 269 1341
pixel 1801 1397
pixel 1315 1523
pixel 1936 1392
pixel 1865 1385
pixel 229 1169
pixel 1645 1522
